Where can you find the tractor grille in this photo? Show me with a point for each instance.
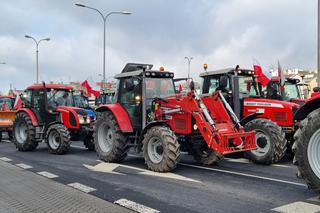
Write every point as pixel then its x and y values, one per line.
pixel 180 124
pixel 280 116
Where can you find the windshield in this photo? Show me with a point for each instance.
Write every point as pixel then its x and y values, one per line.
pixel 247 86
pixel 80 101
pixel 159 87
pixel 6 103
pixel 59 98
pixel 291 91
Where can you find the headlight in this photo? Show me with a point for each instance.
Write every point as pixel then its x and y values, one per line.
pixel 81 119
pixel 84 120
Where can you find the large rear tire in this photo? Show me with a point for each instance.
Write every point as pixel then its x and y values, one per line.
pixel 206 156
pixel 270 139
pixel 161 149
pixel 58 139
pixel 307 150
pixel 24 133
pixel 110 143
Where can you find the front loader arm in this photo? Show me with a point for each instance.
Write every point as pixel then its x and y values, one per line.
pixel 212 120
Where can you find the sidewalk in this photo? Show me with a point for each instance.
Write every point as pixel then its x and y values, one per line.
pixel 24 191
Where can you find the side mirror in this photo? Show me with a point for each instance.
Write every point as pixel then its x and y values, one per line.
pixel 223 81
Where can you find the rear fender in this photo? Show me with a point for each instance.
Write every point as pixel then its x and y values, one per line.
pixel 311 105
pixel 31 114
pixel 120 114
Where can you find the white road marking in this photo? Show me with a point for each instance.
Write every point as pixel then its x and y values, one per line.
pixel 24 166
pixel 5 159
pixel 244 174
pixel 135 206
pixel 314 199
pixel 298 207
pixel 109 167
pixel 79 147
pixel 280 165
pixel 48 174
pixel 104 167
pixel 82 187
pixel 244 160
pixel 238 160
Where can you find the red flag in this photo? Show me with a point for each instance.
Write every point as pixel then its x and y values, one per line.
pixel 89 89
pixel 180 88
pixel 264 77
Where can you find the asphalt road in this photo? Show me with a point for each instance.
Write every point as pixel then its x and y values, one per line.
pixel 235 185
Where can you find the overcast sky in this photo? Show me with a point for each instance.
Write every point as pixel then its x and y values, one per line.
pixel 221 33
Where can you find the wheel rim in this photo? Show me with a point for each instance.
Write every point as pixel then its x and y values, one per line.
pixel 155 150
pixel 54 139
pixel 105 138
pixel 314 153
pixel 263 144
pixel 21 132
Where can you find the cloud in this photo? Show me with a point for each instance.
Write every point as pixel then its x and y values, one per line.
pixel 220 33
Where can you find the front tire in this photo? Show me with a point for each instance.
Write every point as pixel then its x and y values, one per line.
pixel 307 150
pixel 161 149
pixel 58 139
pixel 205 156
pixel 270 139
pixel 110 143
pixel 24 133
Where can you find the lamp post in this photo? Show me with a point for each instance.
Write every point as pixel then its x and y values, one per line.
pixel 37 53
pixel 104 18
pixel 189 59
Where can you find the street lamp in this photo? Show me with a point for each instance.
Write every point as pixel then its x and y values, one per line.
pixel 37 53
pixel 104 18
pixel 189 59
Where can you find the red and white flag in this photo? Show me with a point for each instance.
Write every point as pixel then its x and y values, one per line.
pixel 281 75
pixel 263 76
pixel 89 89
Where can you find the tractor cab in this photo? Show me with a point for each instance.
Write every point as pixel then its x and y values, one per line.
pixel 6 103
pixel 290 92
pixel 138 86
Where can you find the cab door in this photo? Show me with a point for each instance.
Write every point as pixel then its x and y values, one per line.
pixel 130 97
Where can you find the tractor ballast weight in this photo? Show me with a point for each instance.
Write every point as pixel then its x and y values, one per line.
pixel 46 116
pixel 149 116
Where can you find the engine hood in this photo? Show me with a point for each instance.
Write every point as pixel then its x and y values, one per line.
pixel 77 110
pixel 270 103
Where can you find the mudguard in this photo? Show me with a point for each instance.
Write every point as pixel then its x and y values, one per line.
pixel 311 105
pixel 30 114
pixel 120 114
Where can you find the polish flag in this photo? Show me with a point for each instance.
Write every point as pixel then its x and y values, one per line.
pixel 89 89
pixel 264 77
pixel 281 75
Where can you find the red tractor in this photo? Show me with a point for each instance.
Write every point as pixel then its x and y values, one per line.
pixel 149 116
pixel 307 142
pixel 271 119
pixel 47 115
